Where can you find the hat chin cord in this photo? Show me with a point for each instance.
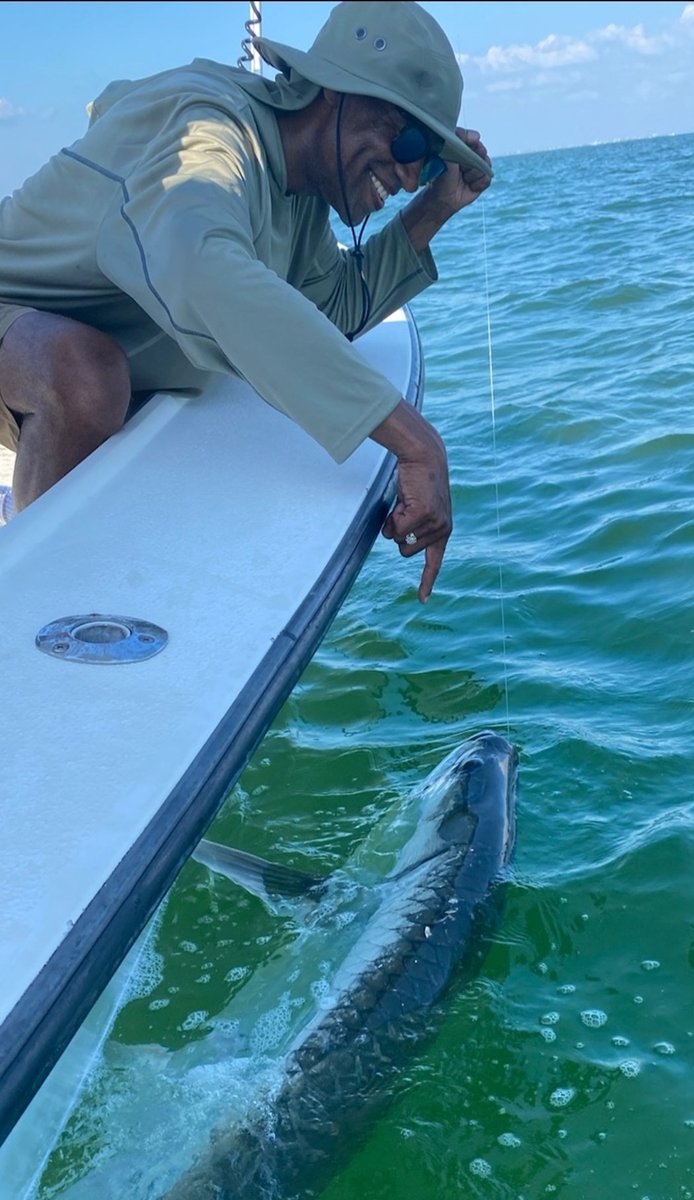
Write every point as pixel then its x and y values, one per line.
pixel 356 250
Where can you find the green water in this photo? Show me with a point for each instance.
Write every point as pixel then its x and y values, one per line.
pixel 566 1069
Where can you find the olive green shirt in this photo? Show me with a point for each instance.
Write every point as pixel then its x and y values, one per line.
pixel 169 226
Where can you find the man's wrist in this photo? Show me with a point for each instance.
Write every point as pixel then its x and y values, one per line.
pixel 407 434
pixel 422 219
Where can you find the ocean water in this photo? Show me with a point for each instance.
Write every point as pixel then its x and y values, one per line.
pixel 564 615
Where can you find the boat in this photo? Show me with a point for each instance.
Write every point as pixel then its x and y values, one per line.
pixel 218 538
pixel 158 605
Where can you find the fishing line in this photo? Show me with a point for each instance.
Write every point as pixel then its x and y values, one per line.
pixel 495 464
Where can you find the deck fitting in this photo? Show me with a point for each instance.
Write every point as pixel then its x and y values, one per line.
pixel 96 638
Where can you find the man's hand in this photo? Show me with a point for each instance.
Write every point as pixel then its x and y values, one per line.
pixel 440 200
pixel 421 518
pixel 459 186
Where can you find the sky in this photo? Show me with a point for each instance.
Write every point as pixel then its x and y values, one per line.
pixel 537 75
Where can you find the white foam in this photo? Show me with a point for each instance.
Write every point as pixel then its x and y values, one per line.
pixel 195 1019
pixel 630 1067
pixel 594 1018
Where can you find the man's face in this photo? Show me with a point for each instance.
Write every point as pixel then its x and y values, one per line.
pixel 370 173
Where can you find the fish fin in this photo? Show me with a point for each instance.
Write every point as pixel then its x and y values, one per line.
pixel 262 878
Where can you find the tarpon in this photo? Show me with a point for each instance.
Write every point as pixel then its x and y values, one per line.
pixel 292 1073
pixel 410 930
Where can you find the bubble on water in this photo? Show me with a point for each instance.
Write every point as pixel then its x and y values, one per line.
pixel 638 999
pixel 406 1133
pixel 189 947
pixel 549 1035
pixel 562 1096
pixel 235 974
pixel 195 1019
pixel 322 993
pixel 155 1004
pixel 601 1137
pixel 227 1027
pixel 585 917
pixel 664 1048
pixel 550 1018
pixel 271 1026
pixel 630 1067
pixel 203 978
pixel 609 1104
pixel 562 1133
pixel 508 1139
pixel 480 1166
pixel 566 989
pixel 689 1124
pixel 542 968
pixel 618 1040
pixel 594 1018
pixel 650 964
pixel 263 939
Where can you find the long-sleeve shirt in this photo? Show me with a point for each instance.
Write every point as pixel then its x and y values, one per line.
pixel 169 226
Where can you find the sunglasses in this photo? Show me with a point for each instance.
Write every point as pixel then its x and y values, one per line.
pixel 415 142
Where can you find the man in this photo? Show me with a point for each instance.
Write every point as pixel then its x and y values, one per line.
pixel 188 232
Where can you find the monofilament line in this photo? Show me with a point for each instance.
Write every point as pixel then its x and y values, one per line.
pixel 495 465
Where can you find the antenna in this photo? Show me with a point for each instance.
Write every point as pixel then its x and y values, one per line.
pixel 253 28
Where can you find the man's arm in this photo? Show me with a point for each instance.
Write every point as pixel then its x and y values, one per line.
pixel 423 506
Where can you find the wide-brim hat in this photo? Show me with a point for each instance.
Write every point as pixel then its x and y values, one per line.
pixel 392 51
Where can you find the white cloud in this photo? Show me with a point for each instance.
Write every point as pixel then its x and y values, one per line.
pixel 8 110
pixel 552 51
pixel 557 51
pixel 635 38
pixel 687 13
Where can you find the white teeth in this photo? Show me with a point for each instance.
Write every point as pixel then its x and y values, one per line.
pixel 380 190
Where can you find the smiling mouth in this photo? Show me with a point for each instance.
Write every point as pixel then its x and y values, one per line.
pixel 381 191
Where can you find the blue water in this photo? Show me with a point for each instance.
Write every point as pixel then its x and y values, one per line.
pixel 565 612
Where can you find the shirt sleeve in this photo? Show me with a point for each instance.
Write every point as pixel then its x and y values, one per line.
pixel 179 238
pixel 393 271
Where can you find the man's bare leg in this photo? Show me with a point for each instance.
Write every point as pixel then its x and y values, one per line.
pixel 71 385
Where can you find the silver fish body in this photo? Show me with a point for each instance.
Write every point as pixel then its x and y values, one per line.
pixel 430 919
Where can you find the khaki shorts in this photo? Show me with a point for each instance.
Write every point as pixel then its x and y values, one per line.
pixel 9 429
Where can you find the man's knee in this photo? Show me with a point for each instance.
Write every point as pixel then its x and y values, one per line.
pixel 89 378
pixel 66 372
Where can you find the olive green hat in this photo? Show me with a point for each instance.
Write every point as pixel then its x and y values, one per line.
pixel 393 51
